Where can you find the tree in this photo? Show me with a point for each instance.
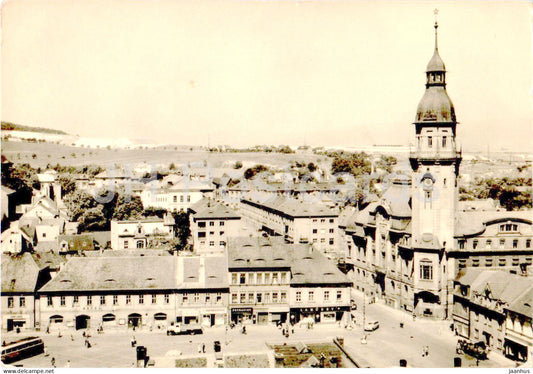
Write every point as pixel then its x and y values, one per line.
pixel 253 171
pixel 183 230
pixel 312 167
pixel 92 220
pixel 78 202
pixel 238 165
pixel 67 182
pixel 158 212
pixel 386 163
pixel 355 164
pixel 132 209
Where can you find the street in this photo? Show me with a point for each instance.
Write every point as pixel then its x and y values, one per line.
pixel 384 348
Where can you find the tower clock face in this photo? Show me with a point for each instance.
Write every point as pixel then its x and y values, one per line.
pixel 427 184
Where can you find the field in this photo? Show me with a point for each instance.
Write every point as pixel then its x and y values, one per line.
pixel 42 154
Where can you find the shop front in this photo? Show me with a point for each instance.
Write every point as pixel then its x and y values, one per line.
pixel 242 315
pixel 189 316
pixel 213 317
pixel 329 314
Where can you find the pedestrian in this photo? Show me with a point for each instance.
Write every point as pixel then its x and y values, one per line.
pixel 133 341
pixel 67 365
pixel 199 348
pixel 203 347
pixel 53 362
pixel 427 350
pixel 71 337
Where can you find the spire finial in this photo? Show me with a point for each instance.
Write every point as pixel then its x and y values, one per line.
pixel 436 13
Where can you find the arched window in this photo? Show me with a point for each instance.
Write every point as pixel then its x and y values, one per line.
pixel 160 316
pixel 108 317
pixel 56 319
pixel 140 244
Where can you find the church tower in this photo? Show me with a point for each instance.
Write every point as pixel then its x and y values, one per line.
pixel 435 163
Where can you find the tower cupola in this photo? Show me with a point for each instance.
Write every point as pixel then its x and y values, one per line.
pixel 435 105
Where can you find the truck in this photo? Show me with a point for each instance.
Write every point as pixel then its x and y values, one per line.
pixel 181 329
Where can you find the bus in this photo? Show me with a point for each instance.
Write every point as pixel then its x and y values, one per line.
pixel 23 348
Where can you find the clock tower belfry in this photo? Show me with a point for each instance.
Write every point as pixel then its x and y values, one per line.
pixel 435 162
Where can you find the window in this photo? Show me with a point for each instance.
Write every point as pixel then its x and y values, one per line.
pixel 10 302
pixel 102 300
pixel 141 299
pixel 515 243
pixel 283 297
pixel 283 278
pixel 221 233
pixel 430 141
pixel 243 298
pixel 488 262
pixel 503 262
pixel 188 199
pixel 22 302
pixel 75 300
pixel 515 261
pixel 115 299
pixel 311 296
pixel 315 231
pixel 274 297
pixel 212 244
pixel 174 199
pixel 528 243
pixel 267 297
pixel 528 260
pixel 250 297
pixel 243 278
pixel 331 231
pixel 167 298
pixel 331 220
pixel 234 298
pixel 259 278
pixel 49 301
pixel 219 297
pixel 89 300
pixel 185 299
pixel 126 244
pixel 259 297
pixel 474 244
pixel 339 295
pixel 443 142
pixel 221 223
pixel 201 234
pixel 196 297
pixel 426 270
pixel 267 278
pixel 201 224
pixel 154 299
pixel 331 241
pixel 181 198
pixel 323 220
pixel 502 243
pixel 275 278
pixel 211 233
pixel 234 278
pixel 462 263
pixel 475 262
pixel 211 223
pixel 128 299
pixel 298 296
pixel 488 243
pixel 326 295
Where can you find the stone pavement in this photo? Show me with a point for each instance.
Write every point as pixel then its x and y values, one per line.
pixel 384 348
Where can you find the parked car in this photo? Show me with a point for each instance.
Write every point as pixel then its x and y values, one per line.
pixel 372 326
pixel 179 329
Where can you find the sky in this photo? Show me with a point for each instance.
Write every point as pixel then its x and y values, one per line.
pixel 323 73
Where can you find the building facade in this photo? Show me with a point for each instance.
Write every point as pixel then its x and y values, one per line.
pixel 408 246
pixel 151 232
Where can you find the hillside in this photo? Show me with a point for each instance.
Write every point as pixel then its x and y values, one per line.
pixel 14 126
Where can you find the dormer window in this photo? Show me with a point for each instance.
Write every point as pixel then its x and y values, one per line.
pixel 430 141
